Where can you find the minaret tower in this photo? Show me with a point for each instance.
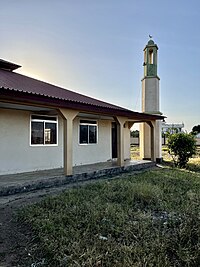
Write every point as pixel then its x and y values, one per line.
pixel 150 102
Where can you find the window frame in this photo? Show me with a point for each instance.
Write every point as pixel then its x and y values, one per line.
pixel 88 122
pixel 44 122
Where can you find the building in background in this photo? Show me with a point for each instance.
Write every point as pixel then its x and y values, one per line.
pixel 172 127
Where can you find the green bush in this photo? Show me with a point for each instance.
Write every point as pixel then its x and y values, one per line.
pixel 181 146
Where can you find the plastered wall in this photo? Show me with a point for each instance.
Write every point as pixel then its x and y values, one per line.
pixel 16 154
pixel 92 153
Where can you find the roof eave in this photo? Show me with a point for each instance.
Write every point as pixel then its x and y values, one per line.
pixel 36 99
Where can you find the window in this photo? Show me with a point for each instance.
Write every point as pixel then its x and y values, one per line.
pixel 43 130
pixel 151 56
pixel 88 132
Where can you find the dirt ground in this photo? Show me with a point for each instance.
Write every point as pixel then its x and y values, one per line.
pixel 17 240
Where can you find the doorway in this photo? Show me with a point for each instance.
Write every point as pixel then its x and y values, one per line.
pixel 114 140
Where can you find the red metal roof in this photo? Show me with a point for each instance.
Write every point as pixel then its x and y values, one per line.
pixel 18 87
pixel 15 81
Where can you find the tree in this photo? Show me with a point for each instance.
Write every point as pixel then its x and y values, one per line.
pixel 135 133
pixel 196 129
pixel 181 146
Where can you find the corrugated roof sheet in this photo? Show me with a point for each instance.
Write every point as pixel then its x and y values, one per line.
pixel 18 82
pixel 19 87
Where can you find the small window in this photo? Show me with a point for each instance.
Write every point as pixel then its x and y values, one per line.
pixel 88 132
pixel 43 130
pixel 151 56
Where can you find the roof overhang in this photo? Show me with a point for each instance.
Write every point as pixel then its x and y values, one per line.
pixel 6 65
pixel 29 99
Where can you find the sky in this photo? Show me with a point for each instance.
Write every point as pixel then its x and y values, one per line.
pixel 95 47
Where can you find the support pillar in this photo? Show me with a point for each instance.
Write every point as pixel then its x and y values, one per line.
pixel 145 141
pixel 153 143
pixel 148 144
pixel 68 117
pixel 120 140
pixel 158 141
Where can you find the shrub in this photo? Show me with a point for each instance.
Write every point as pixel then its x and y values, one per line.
pixel 181 146
pixel 195 129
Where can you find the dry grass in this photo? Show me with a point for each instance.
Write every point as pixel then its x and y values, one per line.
pixel 135 152
pixel 148 219
pixel 193 162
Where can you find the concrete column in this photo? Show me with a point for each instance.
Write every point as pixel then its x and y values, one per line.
pixel 158 141
pixel 120 140
pixel 148 144
pixel 68 117
pixel 145 141
pixel 153 143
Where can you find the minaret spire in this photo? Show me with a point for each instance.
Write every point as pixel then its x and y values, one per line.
pixel 150 100
pixel 150 59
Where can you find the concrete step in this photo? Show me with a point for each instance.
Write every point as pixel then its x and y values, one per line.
pixel 40 182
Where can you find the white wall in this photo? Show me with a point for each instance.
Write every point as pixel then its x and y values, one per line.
pixel 16 154
pixel 150 95
pixel 92 153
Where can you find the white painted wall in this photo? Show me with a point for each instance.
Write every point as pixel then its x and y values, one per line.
pixel 150 95
pixel 150 104
pixel 92 153
pixel 16 154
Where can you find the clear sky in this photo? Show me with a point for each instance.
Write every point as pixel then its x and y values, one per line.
pixel 95 47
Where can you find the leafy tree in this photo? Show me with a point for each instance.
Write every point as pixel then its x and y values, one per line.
pixel 181 146
pixel 196 129
pixel 135 133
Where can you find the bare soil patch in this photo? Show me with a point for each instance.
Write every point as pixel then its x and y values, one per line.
pixel 15 238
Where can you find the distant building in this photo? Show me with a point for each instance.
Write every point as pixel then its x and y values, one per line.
pixel 172 127
pixel 198 135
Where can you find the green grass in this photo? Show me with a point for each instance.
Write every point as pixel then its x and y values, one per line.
pixel 148 219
